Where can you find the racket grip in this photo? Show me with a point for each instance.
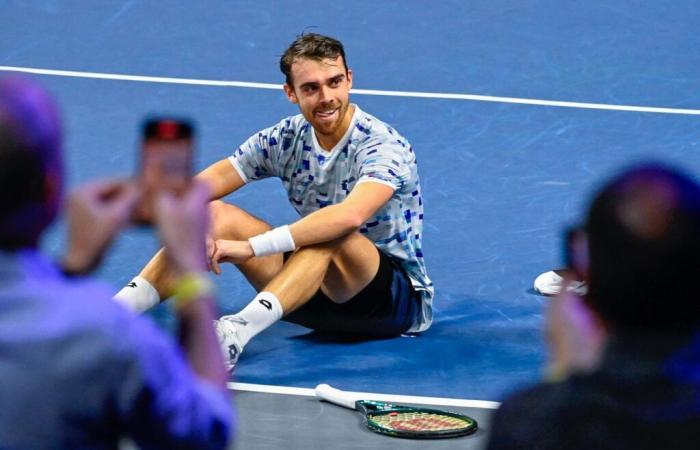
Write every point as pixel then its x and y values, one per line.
pixel 330 394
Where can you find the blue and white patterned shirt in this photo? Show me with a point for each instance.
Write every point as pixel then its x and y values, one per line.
pixel 314 178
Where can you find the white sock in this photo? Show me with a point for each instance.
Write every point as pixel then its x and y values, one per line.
pixel 263 311
pixel 139 295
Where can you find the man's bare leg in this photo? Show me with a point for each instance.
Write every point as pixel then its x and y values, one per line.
pixel 155 281
pixel 341 269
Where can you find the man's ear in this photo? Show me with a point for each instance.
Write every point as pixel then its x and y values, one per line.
pixel 349 76
pixel 290 93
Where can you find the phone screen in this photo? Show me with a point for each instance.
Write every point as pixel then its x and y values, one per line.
pixel 166 161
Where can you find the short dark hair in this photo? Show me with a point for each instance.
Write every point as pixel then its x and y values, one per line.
pixel 311 46
pixel 30 141
pixel 644 242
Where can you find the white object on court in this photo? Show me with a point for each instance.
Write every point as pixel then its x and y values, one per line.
pixel 551 283
pixel 330 394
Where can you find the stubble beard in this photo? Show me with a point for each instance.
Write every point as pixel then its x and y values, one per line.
pixel 329 129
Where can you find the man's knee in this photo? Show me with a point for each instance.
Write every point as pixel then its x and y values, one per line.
pixel 354 246
pixel 217 212
pixel 231 222
pixel 354 264
pixel 222 213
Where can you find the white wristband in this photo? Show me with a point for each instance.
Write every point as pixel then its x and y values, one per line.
pixel 277 240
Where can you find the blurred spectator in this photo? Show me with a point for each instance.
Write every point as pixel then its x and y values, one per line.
pixel 78 370
pixel 625 371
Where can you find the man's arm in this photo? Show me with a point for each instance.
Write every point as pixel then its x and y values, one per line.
pixel 335 221
pixel 324 225
pixel 183 224
pixel 201 415
pixel 222 179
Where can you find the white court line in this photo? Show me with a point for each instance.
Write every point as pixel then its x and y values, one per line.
pixel 121 77
pixel 530 101
pixel 439 401
pixel 434 95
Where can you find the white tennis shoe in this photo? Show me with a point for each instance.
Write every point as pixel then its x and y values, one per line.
pixel 552 282
pixel 227 331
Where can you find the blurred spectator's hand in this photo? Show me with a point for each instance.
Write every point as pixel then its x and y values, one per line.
pixel 576 336
pixel 96 212
pixel 183 225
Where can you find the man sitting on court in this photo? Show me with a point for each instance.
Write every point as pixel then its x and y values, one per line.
pixel 354 262
pixel 626 358
pixel 78 370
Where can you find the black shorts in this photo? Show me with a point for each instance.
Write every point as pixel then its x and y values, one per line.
pixel 388 306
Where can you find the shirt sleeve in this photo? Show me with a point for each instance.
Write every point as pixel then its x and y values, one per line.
pixel 383 161
pixel 161 402
pixel 257 158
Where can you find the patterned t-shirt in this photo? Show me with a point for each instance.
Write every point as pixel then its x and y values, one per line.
pixel 314 178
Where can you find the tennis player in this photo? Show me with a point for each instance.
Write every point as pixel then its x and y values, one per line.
pixel 353 262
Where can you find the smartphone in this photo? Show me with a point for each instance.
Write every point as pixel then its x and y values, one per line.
pixel 167 147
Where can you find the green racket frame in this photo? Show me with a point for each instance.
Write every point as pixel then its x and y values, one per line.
pixel 372 408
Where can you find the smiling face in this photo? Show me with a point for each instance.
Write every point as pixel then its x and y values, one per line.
pixel 321 88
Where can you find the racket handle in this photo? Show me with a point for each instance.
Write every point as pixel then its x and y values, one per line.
pixel 330 394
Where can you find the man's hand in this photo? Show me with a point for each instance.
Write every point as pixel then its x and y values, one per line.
pixel 96 212
pixel 575 335
pixel 235 252
pixel 183 225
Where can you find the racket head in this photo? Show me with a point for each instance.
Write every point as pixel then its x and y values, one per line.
pixel 413 422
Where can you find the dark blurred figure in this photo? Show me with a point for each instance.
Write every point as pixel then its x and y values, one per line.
pixel 625 370
pixel 77 370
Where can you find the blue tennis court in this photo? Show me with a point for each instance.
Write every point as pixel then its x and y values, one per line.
pixel 545 99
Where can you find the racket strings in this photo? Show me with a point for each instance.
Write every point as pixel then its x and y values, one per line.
pixel 419 421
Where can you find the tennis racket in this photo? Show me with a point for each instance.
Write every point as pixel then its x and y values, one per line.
pixel 401 421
